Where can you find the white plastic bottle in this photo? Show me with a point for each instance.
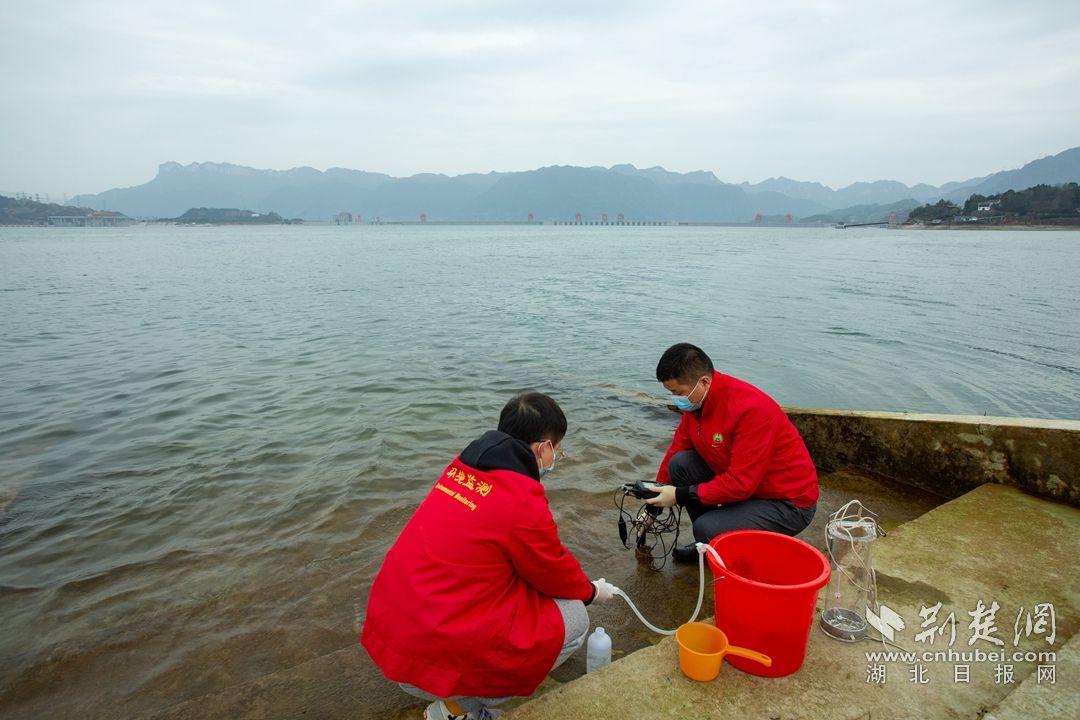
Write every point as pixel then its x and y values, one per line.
pixel 599 650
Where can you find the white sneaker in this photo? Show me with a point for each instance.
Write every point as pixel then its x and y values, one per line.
pixel 438 711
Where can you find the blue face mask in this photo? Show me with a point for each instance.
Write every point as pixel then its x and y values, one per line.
pixel 545 470
pixel 683 402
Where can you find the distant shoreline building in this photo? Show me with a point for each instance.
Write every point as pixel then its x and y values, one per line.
pixel 92 219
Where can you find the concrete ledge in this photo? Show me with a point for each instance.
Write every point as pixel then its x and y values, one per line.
pixel 948 454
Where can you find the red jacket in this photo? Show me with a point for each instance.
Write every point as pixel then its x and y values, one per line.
pixel 751 445
pixel 462 605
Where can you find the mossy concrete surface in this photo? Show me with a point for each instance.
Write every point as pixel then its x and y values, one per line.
pixel 1034 699
pixel 948 454
pixel 345 684
pixel 994 545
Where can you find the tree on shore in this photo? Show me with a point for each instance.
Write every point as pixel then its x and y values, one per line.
pixel 1041 202
pixel 24 211
pixel 942 210
pixel 1044 201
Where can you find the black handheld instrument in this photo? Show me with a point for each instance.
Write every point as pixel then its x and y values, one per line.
pixel 648 525
pixel 642 490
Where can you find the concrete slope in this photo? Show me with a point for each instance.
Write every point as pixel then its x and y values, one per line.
pixel 1038 697
pixel 346 683
pixel 993 545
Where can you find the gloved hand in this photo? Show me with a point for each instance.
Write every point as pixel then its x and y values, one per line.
pixel 604 590
pixel 665 499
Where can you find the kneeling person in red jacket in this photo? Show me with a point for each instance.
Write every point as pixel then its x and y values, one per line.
pixel 736 461
pixel 478 599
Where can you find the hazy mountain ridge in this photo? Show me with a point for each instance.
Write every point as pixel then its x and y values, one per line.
pixel 549 193
pixel 859 193
pixel 1053 170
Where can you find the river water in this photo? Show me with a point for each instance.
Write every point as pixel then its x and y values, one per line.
pixel 209 436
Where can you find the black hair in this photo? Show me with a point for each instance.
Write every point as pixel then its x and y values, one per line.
pixel 683 362
pixel 532 417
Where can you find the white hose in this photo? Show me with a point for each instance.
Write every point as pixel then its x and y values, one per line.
pixel 702 548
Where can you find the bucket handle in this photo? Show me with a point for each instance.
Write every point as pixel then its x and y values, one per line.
pixel 749 655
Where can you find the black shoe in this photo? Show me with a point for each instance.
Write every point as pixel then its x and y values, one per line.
pixel 685 553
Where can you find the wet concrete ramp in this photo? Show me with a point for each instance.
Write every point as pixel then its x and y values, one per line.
pixel 992 545
pixel 345 684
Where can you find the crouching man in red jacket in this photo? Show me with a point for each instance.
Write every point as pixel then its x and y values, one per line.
pixel 478 600
pixel 736 461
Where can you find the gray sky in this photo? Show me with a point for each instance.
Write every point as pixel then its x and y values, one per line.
pixel 97 94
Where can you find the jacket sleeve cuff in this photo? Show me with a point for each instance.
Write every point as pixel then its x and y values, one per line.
pixel 592 595
pixel 685 494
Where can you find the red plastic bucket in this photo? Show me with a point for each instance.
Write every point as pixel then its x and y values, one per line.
pixel 765 595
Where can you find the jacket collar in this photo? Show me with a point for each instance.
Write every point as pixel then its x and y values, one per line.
pixel 717 389
pixel 495 450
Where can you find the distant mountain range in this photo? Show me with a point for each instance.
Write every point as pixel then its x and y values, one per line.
pixel 549 193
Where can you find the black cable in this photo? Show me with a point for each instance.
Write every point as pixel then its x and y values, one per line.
pixel 647 528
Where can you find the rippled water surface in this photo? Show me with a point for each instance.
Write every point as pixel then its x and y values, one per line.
pixel 209 436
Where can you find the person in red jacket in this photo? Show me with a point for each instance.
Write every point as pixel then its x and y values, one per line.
pixel 736 461
pixel 478 600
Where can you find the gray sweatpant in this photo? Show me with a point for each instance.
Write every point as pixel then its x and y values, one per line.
pixel 782 516
pixel 576 622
